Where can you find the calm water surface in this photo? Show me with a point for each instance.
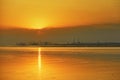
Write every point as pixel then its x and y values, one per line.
pixel 59 63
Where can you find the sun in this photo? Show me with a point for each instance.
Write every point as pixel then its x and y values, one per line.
pixel 38 24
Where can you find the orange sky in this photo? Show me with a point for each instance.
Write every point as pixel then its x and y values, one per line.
pixel 37 14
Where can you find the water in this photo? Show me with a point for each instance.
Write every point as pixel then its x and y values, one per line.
pixel 59 63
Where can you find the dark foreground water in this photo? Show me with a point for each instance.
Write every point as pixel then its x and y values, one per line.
pixel 61 63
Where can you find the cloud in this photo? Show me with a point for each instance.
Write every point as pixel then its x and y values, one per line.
pixel 93 33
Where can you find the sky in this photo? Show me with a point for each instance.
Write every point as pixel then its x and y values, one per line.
pixel 59 21
pixel 38 14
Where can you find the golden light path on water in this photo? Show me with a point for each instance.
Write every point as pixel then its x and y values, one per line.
pixel 39 59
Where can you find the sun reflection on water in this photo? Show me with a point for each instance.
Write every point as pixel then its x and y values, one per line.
pixel 39 59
